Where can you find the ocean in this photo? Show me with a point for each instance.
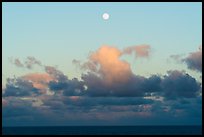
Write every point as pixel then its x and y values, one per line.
pixel 104 130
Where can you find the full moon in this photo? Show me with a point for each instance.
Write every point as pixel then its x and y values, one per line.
pixel 105 16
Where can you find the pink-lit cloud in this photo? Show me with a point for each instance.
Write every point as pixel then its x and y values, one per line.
pixel 139 51
pixel 106 63
pixel 111 68
pixel 39 80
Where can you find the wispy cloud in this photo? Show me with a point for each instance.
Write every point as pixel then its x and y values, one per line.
pixel 28 63
pixel 139 51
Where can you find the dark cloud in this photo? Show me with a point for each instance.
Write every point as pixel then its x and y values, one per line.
pixel 152 84
pixel 179 84
pixel 135 86
pixel 102 95
pixel 69 87
pixel 105 101
pixel 57 74
pixel 100 103
pixel 175 84
pixel 19 87
pixel 108 75
pixel 62 83
pixel 194 60
pixel 17 108
pixel 58 110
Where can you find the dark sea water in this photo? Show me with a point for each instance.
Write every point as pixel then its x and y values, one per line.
pixel 104 130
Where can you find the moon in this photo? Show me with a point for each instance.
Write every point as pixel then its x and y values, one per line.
pixel 106 16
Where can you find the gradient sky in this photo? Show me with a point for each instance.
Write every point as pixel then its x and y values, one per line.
pixel 57 33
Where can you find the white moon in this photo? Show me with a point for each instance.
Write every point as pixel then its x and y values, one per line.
pixel 106 16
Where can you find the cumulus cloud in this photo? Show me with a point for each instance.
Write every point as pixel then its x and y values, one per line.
pixel 55 73
pixel 108 75
pixel 110 67
pixel 174 85
pixel 108 91
pixel 19 87
pixel 96 86
pixel 39 80
pixel 179 84
pixel 28 85
pixel 107 64
pixel 194 60
pixel 62 83
pixel 71 87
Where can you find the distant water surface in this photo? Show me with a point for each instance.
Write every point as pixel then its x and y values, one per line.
pixel 104 130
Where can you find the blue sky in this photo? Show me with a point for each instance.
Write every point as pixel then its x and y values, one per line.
pixel 57 33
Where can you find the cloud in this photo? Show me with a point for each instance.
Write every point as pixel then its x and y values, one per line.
pixel 107 64
pixel 108 75
pixel 31 61
pixel 69 87
pixel 62 83
pixel 19 87
pixel 71 110
pixel 112 77
pixel 177 57
pixel 57 74
pixel 122 103
pixel 175 84
pixel 107 93
pixel 179 84
pixel 28 63
pixel 76 62
pixel 28 85
pixel 140 51
pixel 96 86
pixel 18 63
pixel 39 80
pixel 194 60
pixel 85 101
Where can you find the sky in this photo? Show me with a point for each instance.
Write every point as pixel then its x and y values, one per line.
pixel 63 64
